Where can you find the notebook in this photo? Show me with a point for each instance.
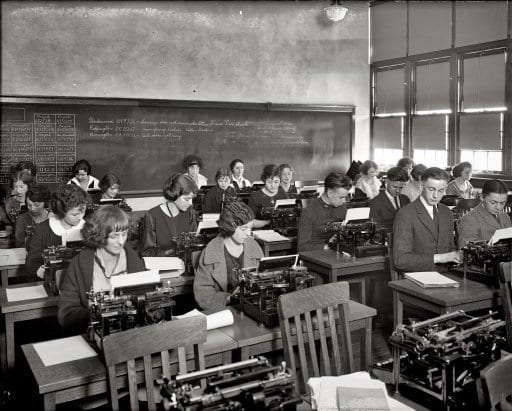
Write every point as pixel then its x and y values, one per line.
pixel 431 279
pixel 362 398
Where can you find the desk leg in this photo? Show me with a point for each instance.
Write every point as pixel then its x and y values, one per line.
pixel 9 340
pixel 363 291
pixel 4 274
pixel 398 309
pixel 49 401
pixel 3 349
pixel 367 341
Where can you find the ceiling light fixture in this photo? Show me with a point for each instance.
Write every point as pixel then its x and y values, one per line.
pixel 335 12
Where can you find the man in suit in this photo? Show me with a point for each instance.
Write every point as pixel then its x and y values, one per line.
pixel 423 230
pixel 384 206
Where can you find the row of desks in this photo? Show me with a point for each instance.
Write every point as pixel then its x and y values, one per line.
pixel 86 377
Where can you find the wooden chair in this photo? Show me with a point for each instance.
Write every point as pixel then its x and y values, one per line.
pixel 494 388
pixel 505 277
pixel 324 345
pixel 127 346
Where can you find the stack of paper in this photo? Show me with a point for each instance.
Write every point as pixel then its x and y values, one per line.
pixel 216 320
pixel 431 279
pixel 25 293
pixel 127 280
pixel 64 350
pixel 268 235
pixel 169 267
pixel 13 256
pixel 285 202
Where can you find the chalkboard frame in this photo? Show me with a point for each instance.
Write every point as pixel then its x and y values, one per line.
pixel 204 104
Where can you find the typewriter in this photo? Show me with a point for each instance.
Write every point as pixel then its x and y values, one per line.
pixel 14 212
pixel 283 219
pixel 261 287
pixel 481 261
pixel 120 202
pixel 187 244
pixel 127 308
pixel 246 385
pixel 359 238
pixel 55 260
pixel 442 357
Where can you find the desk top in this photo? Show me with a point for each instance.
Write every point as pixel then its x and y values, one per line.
pixel 92 369
pixel 332 259
pixel 24 305
pixel 469 291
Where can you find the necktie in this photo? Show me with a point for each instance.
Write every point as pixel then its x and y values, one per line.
pixel 397 204
pixel 436 218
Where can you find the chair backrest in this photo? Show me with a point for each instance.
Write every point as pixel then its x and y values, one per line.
pixel 395 275
pixel 495 386
pixel 324 346
pixel 505 276
pixel 129 345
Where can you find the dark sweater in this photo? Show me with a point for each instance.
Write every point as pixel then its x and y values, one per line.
pixel 212 202
pixel 259 199
pixel 43 237
pixel 73 303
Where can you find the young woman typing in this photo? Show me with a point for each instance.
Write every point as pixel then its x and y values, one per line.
pixel 216 196
pixel 214 280
pixel 68 206
pixel 82 176
pixel 169 219
pixel 460 186
pixel 105 256
pixel 15 205
pixel 193 165
pixel 37 201
pixel 368 183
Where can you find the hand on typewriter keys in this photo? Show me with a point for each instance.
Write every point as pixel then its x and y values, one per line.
pixel 451 257
pixel 171 251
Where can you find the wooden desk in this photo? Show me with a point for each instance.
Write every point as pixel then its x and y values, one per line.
pixel 12 263
pixel 255 340
pixel 469 296
pixel 87 377
pixel 288 246
pixel 336 266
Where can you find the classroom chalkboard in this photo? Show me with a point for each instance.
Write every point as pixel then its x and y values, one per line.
pixel 145 141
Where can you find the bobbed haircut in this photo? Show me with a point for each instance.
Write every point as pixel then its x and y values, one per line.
pixel 397 174
pixel 435 173
pixel 178 185
pixel 108 180
pixel 66 197
pixel 22 175
pixel 222 172
pixel 81 165
pixel 494 186
pixel 367 165
pixel 107 219
pixel 459 168
pixel 25 166
pixel 233 163
pixel 190 160
pixel 282 167
pixel 336 180
pixel 405 162
pixel 417 171
pixel 270 171
pixel 233 214
pixel 38 193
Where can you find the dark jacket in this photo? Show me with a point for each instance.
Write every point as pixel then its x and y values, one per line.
pixel 43 237
pixel 383 212
pixel 73 304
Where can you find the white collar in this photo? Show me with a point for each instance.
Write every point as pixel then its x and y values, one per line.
pixel 169 206
pixel 57 227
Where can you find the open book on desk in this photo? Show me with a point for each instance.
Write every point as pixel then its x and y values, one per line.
pixel 431 279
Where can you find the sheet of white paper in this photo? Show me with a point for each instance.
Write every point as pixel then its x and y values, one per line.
pixel 431 279
pixel 13 256
pixel 25 293
pixel 164 263
pixel 210 216
pixel 309 188
pixel 74 235
pixel 216 320
pixel 357 213
pixel 501 234
pixel 285 202
pixel 64 350
pixel 142 277
pixel 206 224
pixel 268 235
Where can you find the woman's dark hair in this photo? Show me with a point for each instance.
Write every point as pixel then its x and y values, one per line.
pixel 190 160
pixel 233 214
pixel 233 163
pixel 404 162
pixel 178 185
pixel 270 171
pixel 494 186
pixel 37 193
pixel 397 174
pixel 66 197
pixel 81 165
pixel 459 168
pixel 25 166
pixel 222 172
pixel 107 219
pixel 108 180
pixel 337 180
pixel 417 171
pixel 367 165
pixel 23 176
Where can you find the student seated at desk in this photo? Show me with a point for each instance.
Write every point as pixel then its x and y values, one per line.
pixel 413 187
pixel 169 219
pixel 193 165
pixel 214 282
pixel 82 176
pixel 481 222
pixel 15 205
pixel 407 163
pixel 238 181
pixel 106 255
pixel 423 230
pixel 110 185
pixel 322 210
pixel 460 186
pixel 215 197
pixel 384 207
pixel 37 201
pixel 368 182
pixel 268 194
pixel 68 204
pixel 286 173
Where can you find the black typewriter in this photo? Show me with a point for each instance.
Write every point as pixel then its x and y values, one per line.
pixel 56 260
pixel 127 308
pixel 187 245
pixel 261 287
pixel 359 238
pixel 283 219
pixel 246 385
pixel 119 202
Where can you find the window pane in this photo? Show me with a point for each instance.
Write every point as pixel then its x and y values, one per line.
pixel 388 30
pixel 480 21
pixel 433 86
pixel 480 131
pixel 494 161
pixel 389 91
pixel 484 81
pixel 387 132
pixel 431 158
pixel 429 132
pixel 386 158
pixel 423 37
